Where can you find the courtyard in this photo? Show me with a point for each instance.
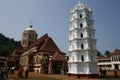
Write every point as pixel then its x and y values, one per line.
pixel 37 76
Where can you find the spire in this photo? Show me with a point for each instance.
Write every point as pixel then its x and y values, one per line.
pixel 80 2
pixel 30 24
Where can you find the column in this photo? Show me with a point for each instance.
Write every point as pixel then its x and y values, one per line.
pixel 50 67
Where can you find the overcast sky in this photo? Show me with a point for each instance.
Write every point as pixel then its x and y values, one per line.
pixel 53 16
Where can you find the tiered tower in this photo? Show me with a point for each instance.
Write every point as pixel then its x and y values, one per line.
pixel 82 43
pixel 28 37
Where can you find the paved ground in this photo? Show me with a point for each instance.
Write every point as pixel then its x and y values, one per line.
pixel 32 74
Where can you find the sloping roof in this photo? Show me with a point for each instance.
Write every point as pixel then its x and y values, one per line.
pixel 45 43
pixel 116 52
pixel 39 41
pixel 103 58
pixel 49 45
pixel 10 58
pixel 58 57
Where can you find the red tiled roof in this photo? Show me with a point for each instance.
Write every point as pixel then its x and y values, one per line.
pixel 116 52
pixel 49 45
pixel 39 41
pixel 58 57
pixel 45 43
pixel 99 58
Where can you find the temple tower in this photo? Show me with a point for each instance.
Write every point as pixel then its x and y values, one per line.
pixel 82 43
pixel 28 37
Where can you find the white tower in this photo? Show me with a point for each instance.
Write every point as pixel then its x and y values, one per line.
pixel 82 43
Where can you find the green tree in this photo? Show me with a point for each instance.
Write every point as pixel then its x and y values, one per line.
pixel 44 64
pixel 107 53
pixel 7 45
pixel 99 54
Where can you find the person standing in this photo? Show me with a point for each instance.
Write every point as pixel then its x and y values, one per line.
pixel 2 75
pixel 104 72
pixel 5 73
pixel 101 71
pixel 26 73
pixel 115 72
pixel 12 69
pixel 20 72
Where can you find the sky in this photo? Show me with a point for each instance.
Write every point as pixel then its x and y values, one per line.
pixel 53 17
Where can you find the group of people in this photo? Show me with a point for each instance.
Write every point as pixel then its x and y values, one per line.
pixel 104 71
pixel 20 72
pixel 5 71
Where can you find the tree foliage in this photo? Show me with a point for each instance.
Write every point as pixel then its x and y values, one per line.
pixel 99 54
pixel 44 63
pixel 107 53
pixel 7 45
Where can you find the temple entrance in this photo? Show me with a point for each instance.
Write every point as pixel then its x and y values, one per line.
pixel 57 67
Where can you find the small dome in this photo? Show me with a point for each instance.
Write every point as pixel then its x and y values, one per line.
pixel 29 29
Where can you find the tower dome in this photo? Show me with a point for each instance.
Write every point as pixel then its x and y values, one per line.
pixel 30 28
pixel 28 36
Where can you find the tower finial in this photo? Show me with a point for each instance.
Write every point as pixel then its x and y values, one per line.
pixel 80 2
pixel 30 24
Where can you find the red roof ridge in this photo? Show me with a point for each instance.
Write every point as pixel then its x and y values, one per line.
pixel 58 57
pixel 37 42
pixel 49 45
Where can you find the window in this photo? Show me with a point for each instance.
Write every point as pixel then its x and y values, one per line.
pixel 91 58
pixel 73 58
pixel 72 46
pixel 82 58
pixel 81 35
pixel 81 16
pixel 73 36
pixel 82 46
pixel 91 46
pixel 73 26
pixel 81 25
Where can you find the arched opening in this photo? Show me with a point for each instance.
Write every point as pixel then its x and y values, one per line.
pixel 81 25
pixel 81 35
pixel 82 58
pixel 81 16
pixel 82 46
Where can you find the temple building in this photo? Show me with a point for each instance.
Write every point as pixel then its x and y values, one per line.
pixel 110 62
pixel 41 55
pixel 82 43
